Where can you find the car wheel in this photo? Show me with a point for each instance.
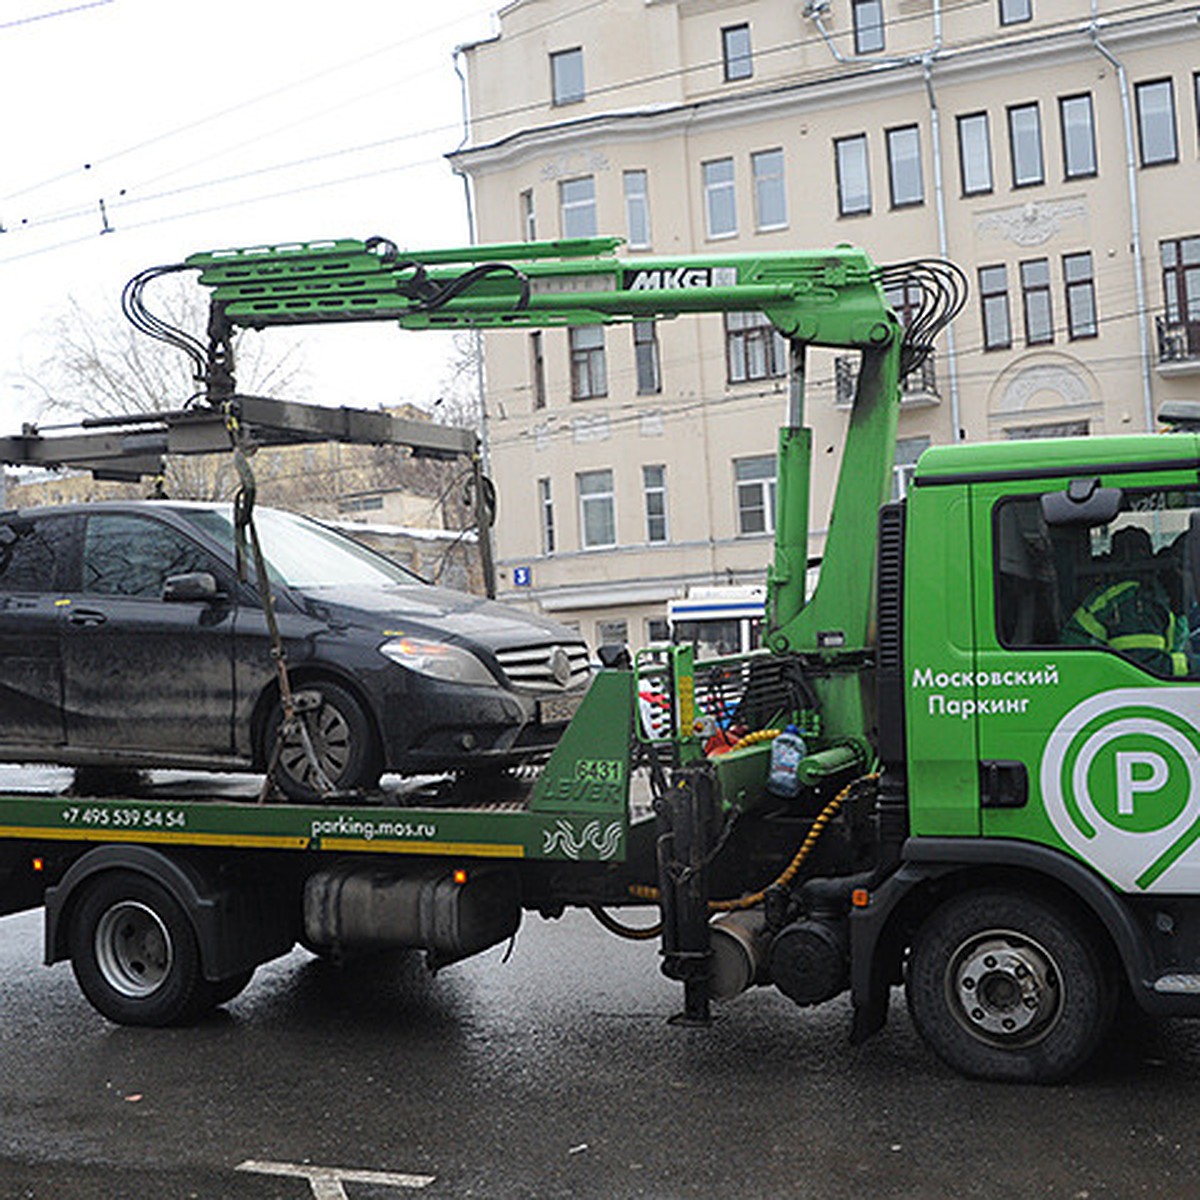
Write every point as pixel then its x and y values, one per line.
pixel 135 954
pixel 1006 986
pixel 342 742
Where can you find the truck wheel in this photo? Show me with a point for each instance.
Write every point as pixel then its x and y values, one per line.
pixel 341 738
pixel 1005 986
pixel 134 952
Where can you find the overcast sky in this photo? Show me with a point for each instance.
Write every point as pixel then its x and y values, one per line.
pixel 212 123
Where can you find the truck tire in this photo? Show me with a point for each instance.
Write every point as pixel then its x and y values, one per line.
pixel 134 952
pixel 342 739
pixel 1007 986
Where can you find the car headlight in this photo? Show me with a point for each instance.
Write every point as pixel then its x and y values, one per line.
pixel 441 660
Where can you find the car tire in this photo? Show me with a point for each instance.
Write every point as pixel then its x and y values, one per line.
pixel 342 740
pixel 134 952
pixel 1006 986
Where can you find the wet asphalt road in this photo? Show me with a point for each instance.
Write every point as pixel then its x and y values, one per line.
pixel 551 1075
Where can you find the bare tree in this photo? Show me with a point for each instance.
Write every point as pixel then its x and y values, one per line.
pixel 458 390
pixel 99 365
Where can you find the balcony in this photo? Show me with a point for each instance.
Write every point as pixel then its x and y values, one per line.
pixel 918 388
pixel 1178 346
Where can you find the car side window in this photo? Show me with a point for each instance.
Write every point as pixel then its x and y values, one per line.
pixel 1128 585
pixel 32 551
pixel 134 556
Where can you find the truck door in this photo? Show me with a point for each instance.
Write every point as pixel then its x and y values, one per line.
pixel 1088 632
pixel 141 672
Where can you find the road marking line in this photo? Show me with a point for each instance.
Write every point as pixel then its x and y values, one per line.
pixel 326 1182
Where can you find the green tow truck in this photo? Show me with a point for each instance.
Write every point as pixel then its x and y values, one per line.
pixel 997 800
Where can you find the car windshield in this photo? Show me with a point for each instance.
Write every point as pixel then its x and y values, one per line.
pixel 304 554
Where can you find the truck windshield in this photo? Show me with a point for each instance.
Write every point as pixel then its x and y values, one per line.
pixel 302 553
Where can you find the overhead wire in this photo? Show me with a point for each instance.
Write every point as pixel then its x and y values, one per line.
pixel 517 110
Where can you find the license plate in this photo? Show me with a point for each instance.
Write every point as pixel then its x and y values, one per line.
pixel 554 710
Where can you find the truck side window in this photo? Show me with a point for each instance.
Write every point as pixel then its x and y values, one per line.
pixel 134 556
pixel 1128 586
pixel 31 553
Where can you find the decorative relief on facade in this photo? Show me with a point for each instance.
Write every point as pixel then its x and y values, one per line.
pixel 1032 224
pixel 650 424
pixel 1059 384
pixel 591 429
pixel 574 162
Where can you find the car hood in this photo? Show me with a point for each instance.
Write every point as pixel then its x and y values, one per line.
pixel 396 608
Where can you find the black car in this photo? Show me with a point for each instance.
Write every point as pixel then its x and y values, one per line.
pixel 127 639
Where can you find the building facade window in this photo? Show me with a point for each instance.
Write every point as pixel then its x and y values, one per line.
pixel 1035 302
pixel 975 154
pixel 1078 136
pixel 537 368
pixel 754 481
pixel 1157 137
pixel 546 513
pixel 577 206
pixel 1082 321
pixel 637 210
pixel 658 629
pixel 754 348
pixel 528 216
pixel 646 358
pixel 905 181
pixel 613 632
pixel 597 509
pixel 770 190
pixel 736 55
pixel 720 198
pixel 868 25
pixel 904 465
pixel 1013 12
pixel 589 373
pixel 1181 279
pixel 1025 145
pixel 566 76
pixel 853 175
pixel 993 300
pixel 654 490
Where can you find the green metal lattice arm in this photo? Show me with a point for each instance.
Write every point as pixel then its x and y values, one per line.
pixel 830 298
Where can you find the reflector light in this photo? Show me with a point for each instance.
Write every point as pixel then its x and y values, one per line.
pixel 860 897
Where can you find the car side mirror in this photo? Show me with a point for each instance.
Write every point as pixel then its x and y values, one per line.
pixel 1084 502
pixel 194 586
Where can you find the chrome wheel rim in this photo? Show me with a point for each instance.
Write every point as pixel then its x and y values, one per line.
pixel 1005 988
pixel 133 948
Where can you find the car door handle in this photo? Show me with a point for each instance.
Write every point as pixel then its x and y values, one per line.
pixel 87 616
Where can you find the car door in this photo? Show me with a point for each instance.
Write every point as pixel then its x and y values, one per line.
pixel 143 673
pixel 33 554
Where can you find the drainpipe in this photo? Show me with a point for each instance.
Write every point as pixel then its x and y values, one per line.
pixel 1135 218
pixel 939 196
pixel 482 467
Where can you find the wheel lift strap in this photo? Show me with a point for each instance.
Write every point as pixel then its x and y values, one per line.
pixel 246 539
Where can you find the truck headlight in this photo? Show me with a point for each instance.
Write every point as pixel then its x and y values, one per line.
pixel 440 660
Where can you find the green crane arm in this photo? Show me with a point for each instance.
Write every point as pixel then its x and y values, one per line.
pixel 834 298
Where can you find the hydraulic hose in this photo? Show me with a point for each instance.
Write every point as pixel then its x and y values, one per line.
pixel 789 872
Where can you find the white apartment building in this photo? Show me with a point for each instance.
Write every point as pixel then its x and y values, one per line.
pixel 1048 147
